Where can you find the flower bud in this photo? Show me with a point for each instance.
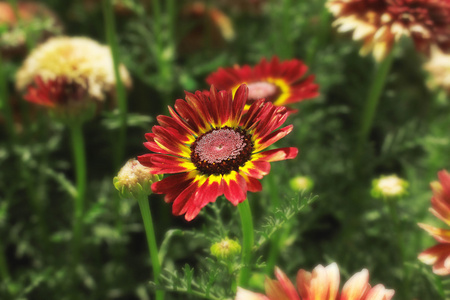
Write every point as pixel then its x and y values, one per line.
pixel 226 249
pixel 134 180
pixel 389 187
pixel 301 183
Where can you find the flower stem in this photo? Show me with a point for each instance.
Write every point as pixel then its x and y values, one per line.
pixel 80 171
pixel 248 241
pixel 373 98
pixel 392 205
pixel 151 241
pixel 286 49
pixel 120 90
pixel 5 106
pixel 276 239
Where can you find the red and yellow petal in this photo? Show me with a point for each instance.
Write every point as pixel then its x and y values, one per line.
pixel 379 292
pixel 286 285
pixel 173 185
pixel 276 154
pixel 166 164
pixel 431 255
pixel 234 187
pixel 356 286
pixel 271 138
pixel 256 169
pixel 441 235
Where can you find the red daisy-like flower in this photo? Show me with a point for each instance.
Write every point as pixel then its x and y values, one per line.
pixel 439 256
pixel 214 149
pixel 281 83
pixel 57 92
pixel 381 22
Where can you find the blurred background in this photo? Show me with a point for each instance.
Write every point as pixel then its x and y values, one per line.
pixel 170 47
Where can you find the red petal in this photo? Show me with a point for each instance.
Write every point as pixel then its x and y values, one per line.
pixel 273 137
pixel 184 200
pixel 172 186
pixel 162 164
pixel 278 154
pixel 235 189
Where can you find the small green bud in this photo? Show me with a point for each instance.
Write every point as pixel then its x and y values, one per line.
pixel 388 187
pixel 301 183
pixel 134 180
pixel 226 249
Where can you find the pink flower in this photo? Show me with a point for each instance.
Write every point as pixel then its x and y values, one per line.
pixel 439 255
pixel 321 284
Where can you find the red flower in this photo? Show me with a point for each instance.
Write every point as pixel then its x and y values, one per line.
pixel 280 83
pixel 321 284
pixel 381 22
pixel 213 149
pixel 54 92
pixel 439 255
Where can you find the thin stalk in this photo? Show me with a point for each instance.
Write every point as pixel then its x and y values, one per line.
pixel 80 171
pixel 286 29
pixel 172 13
pixel 276 239
pixel 120 90
pixel 248 241
pixel 151 241
pixel 392 206
pixel 372 101
pixel 5 106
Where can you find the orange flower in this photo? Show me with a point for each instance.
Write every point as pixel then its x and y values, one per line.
pixel 321 284
pixel 381 22
pixel 439 255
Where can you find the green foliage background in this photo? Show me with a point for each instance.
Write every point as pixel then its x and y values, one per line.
pixel 344 224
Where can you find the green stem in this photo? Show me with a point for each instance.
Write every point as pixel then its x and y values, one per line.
pixel 120 90
pixel 276 239
pixel 392 205
pixel 286 29
pixel 248 241
pixel 151 241
pixel 80 171
pixel 5 106
pixel 372 102
pixel 172 13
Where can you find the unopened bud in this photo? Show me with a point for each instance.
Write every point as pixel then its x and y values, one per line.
pixel 226 249
pixel 134 180
pixel 301 183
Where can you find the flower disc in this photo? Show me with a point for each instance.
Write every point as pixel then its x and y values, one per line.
pixel 260 89
pixel 221 151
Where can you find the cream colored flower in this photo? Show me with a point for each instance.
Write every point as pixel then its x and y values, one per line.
pixel 439 68
pixel 379 23
pixel 389 187
pixel 78 60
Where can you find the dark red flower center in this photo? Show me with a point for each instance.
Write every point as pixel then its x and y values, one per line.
pixel 221 150
pixel 262 89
